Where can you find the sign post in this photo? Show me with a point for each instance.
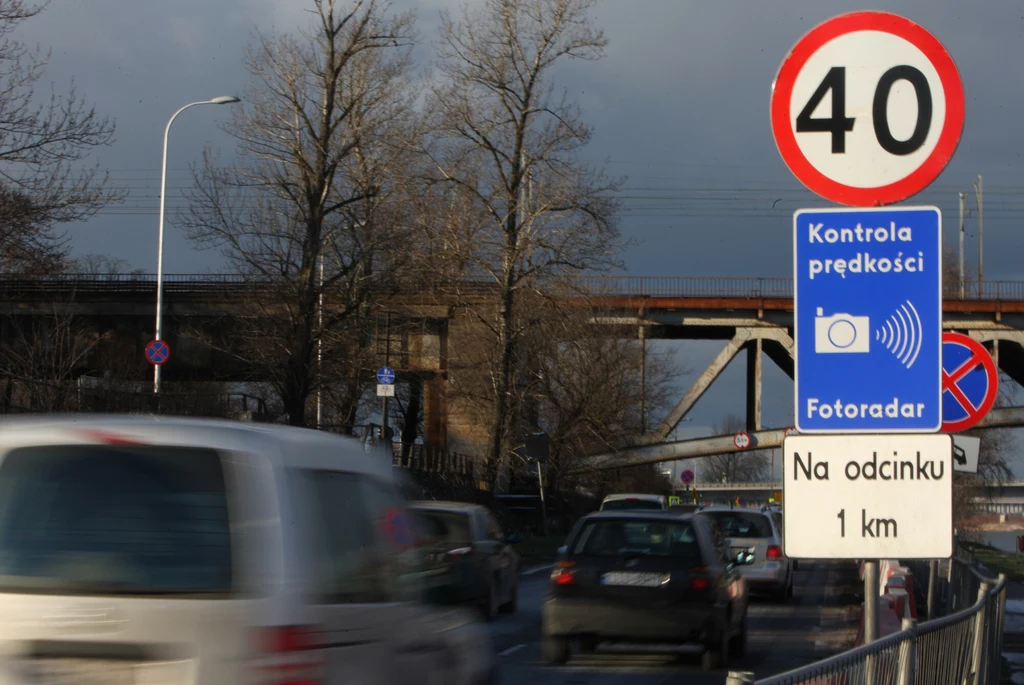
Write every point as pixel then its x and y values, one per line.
pixel 835 125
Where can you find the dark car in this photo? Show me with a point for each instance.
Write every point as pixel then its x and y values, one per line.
pixel 468 559
pixel 650 577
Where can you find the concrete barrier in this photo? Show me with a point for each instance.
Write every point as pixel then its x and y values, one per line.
pixel 891 610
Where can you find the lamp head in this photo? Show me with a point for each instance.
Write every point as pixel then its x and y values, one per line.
pixel 224 100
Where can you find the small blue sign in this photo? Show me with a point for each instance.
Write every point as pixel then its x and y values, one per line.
pixel 158 352
pixel 687 476
pixel 868 320
pixel 386 375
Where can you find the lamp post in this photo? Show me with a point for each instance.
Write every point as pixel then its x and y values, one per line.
pixel 222 100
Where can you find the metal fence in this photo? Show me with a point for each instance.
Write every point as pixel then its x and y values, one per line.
pixel 962 646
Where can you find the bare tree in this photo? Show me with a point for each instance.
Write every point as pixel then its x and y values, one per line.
pixel 310 205
pixel 734 467
pixel 42 145
pixel 505 149
pixel 40 360
pixel 587 389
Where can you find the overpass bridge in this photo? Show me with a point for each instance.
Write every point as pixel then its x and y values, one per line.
pixel 752 317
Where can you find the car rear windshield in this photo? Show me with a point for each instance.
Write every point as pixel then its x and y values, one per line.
pixel 444 527
pixel 611 538
pixel 622 504
pixel 98 519
pixel 739 524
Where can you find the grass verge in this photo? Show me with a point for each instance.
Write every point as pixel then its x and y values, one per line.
pixel 998 561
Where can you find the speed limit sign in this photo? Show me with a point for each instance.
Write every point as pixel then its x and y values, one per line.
pixel 867 109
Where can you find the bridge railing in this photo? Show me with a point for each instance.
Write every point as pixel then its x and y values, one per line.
pixel 598 285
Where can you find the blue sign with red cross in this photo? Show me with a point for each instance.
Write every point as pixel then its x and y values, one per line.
pixel 970 382
pixel 686 476
pixel 158 352
pixel 398 529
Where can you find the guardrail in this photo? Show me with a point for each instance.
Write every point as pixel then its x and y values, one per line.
pixel 609 286
pixel 964 646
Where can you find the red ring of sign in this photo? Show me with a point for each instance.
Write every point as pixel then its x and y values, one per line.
pixel 949 138
pixel 151 352
pixel 686 476
pixel 738 437
pixel 979 355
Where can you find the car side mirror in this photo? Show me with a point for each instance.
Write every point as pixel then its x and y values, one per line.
pixel 513 538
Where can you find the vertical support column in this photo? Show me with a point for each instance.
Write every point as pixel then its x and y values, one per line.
pixel 435 420
pixel 932 578
pixel 754 385
pixel 642 338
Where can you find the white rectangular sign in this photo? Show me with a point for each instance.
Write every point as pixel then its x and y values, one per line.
pixel 965 453
pixel 387 390
pixel 868 496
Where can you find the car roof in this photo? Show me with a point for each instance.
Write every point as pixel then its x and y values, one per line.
pixel 630 495
pixel 641 515
pixel 442 505
pixel 282 445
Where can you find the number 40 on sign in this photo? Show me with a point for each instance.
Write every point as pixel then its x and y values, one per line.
pixel 867 109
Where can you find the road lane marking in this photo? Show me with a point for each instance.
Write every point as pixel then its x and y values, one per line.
pixel 537 569
pixel 511 650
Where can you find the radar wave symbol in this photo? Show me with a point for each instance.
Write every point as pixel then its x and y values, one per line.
pixel 902 334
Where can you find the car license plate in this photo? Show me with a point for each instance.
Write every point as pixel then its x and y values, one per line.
pixel 633 579
pixel 81 672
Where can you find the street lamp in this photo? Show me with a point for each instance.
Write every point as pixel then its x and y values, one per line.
pixel 222 100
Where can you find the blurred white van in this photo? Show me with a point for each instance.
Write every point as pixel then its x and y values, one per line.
pixel 169 550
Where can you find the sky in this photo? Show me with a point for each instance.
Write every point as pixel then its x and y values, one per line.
pixel 679 105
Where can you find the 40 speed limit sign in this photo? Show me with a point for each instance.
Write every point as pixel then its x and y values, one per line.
pixel 867 109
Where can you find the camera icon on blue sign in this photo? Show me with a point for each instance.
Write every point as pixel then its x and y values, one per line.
pixel 841 333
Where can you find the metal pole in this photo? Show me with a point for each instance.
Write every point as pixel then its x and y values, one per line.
pixel 320 349
pixel 543 505
pixel 963 200
pixel 740 678
pixel 643 378
pixel 981 240
pixel 908 654
pixel 159 328
pixel 870 601
pixel 978 661
pixel 387 362
pixel 932 577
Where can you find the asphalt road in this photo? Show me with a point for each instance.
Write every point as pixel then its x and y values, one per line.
pixel 817 622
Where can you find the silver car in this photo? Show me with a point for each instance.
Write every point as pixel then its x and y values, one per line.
pixel 758 533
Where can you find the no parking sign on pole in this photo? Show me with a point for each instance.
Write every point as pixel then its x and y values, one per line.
pixel 970 382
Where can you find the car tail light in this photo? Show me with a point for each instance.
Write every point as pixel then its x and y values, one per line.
pixel 774 552
pixel 289 655
pixel 460 552
pixel 564 573
pixel 700 583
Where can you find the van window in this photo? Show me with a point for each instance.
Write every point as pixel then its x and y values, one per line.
pixel 347 564
pixel 103 519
